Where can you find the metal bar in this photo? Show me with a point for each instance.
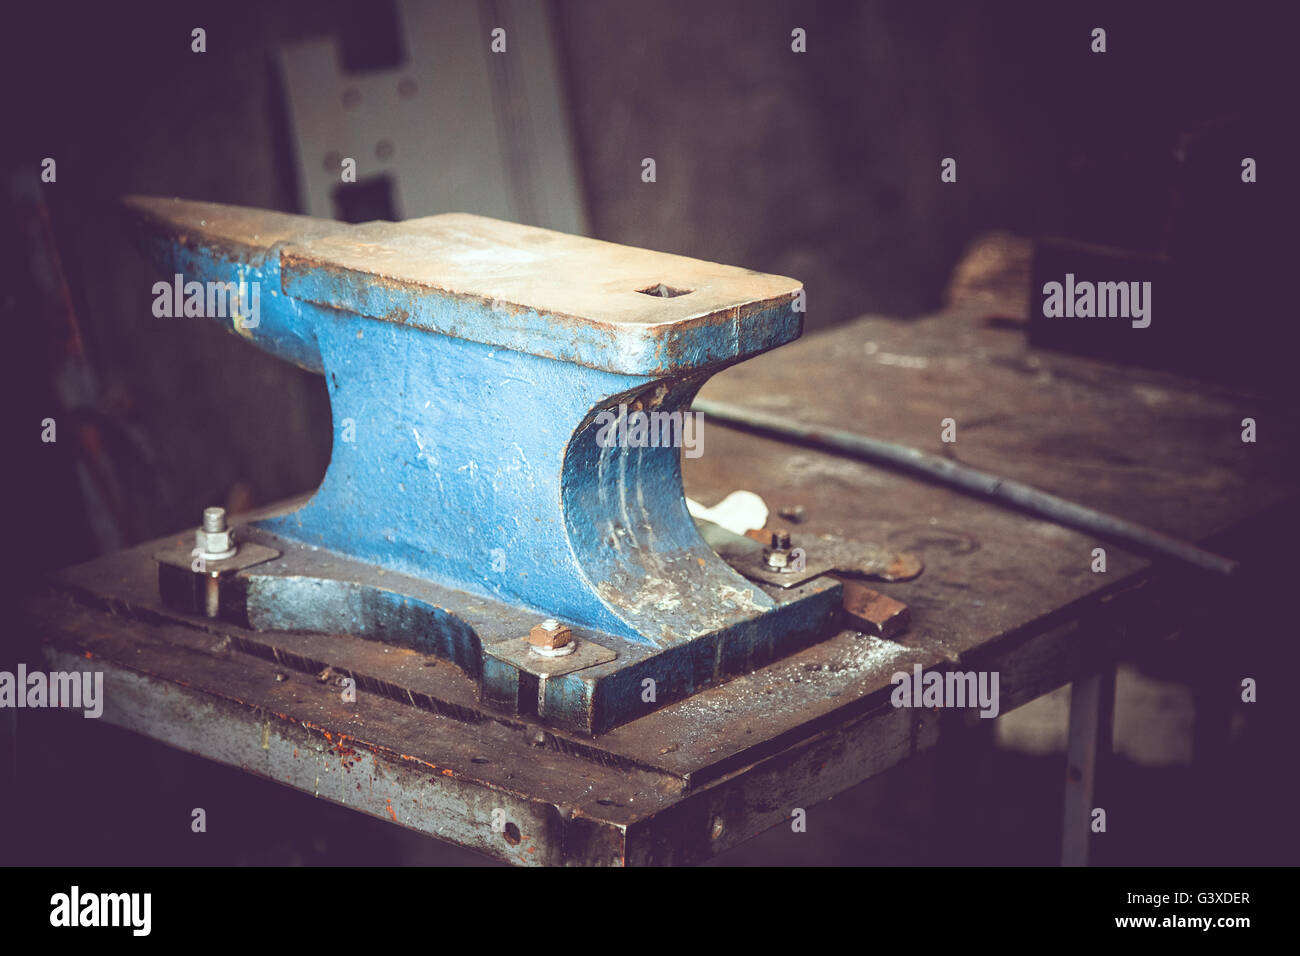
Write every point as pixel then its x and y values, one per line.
pixel 1092 718
pixel 965 478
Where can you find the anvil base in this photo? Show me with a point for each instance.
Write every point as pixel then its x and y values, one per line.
pixel 604 682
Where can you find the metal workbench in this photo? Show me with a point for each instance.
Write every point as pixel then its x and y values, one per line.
pixel 1001 591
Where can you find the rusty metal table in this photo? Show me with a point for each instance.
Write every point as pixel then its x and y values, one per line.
pixel 1001 591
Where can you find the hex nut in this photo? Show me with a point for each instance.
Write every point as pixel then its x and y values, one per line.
pixel 215 545
pixel 778 559
pixel 550 634
pixel 777 553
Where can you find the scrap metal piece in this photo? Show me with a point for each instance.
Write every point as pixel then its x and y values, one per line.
pixel 874 612
pixel 862 559
pixel 825 554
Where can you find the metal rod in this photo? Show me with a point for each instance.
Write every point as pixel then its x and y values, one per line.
pixel 969 479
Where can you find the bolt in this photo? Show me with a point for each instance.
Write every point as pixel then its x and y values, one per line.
pixel 213 538
pixel 795 513
pixel 777 555
pixel 550 635
pixel 214 520
pixel 211 597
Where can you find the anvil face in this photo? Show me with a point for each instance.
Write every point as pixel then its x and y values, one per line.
pixel 470 365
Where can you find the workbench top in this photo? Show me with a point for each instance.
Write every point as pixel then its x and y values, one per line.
pixel 1143 445
pixel 1001 591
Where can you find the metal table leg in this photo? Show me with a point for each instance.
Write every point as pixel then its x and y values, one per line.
pixel 1092 721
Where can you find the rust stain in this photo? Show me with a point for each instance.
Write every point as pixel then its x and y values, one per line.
pixel 391 812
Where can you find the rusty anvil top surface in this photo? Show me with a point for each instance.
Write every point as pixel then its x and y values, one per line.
pixel 501 283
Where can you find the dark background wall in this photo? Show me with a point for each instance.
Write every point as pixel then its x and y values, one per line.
pixel 825 166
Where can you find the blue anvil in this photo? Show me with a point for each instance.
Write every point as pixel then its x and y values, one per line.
pixel 467 362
